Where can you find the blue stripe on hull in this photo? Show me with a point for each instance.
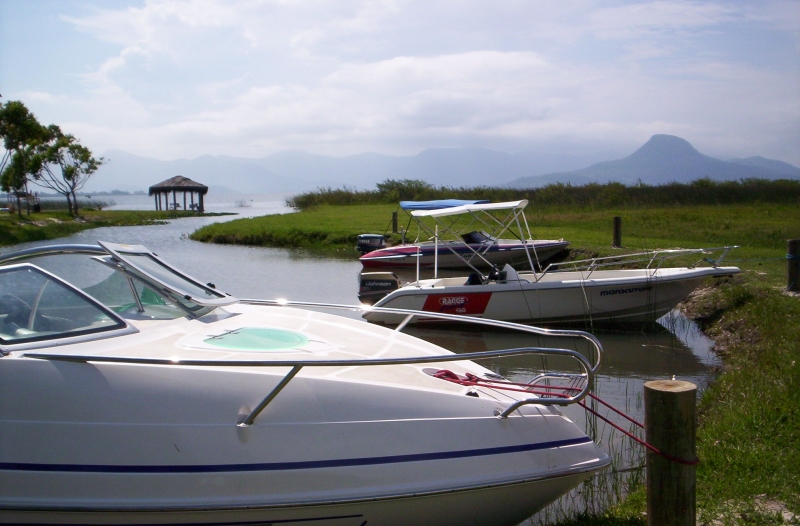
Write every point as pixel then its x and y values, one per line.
pixel 227 523
pixel 281 466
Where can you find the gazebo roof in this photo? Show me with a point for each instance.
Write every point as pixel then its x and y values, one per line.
pixel 178 183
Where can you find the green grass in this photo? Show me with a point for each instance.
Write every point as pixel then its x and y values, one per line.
pixel 53 224
pixel 748 439
pixel 760 229
pixel 751 414
pixel 326 226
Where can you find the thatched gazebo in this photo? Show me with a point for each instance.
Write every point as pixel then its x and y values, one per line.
pixel 180 184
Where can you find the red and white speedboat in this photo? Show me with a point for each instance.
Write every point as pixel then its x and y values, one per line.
pixel 588 294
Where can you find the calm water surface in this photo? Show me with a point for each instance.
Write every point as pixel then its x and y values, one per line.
pixel 630 358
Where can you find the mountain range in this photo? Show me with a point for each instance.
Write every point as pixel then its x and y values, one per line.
pixel 662 159
pixel 665 159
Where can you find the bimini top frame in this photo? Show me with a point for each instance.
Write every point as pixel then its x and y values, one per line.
pixel 486 215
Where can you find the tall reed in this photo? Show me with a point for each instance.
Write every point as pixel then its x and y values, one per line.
pixel 699 192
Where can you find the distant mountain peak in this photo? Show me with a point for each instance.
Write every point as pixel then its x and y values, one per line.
pixel 663 146
pixel 664 159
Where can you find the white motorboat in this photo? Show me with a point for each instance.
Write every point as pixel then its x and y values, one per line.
pixel 135 394
pixel 592 293
pixel 479 246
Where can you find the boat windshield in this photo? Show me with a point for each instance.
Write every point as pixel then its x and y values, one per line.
pixel 35 306
pixel 132 299
pixel 143 265
pixel 478 237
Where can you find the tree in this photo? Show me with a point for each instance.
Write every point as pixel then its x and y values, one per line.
pixel 22 134
pixel 64 165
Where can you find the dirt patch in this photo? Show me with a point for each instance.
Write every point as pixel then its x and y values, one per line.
pixel 712 308
pixel 761 510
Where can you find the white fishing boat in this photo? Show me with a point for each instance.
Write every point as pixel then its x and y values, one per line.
pixel 480 245
pixel 588 292
pixel 131 393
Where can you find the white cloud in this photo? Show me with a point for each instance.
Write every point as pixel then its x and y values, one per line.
pixel 255 76
pixel 660 18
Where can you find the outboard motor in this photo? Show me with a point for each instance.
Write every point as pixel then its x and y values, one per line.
pixel 372 286
pixel 369 242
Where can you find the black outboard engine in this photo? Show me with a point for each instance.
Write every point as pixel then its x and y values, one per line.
pixel 369 242
pixel 372 286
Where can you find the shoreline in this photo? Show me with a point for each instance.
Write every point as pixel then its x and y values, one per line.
pixel 748 438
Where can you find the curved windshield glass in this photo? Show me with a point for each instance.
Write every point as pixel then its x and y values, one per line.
pixel 132 300
pixel 36 306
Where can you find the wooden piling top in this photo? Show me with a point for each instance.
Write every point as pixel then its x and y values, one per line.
pixel 670 386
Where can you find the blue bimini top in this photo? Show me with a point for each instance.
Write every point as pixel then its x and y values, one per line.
pixel 439 203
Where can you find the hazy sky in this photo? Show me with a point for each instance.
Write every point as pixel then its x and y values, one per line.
pixel 179 79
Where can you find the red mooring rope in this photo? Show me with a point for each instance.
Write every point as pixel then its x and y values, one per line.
pixel 472 380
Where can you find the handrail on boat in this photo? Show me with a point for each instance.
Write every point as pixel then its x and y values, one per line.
pixel 458 318
pixel 651 257
pixel 50 250
pixel 586 377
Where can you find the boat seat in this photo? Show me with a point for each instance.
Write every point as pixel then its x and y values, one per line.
pixel 474 279
pixel 510 273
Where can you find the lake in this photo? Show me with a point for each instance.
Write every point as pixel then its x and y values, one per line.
pixel 630 358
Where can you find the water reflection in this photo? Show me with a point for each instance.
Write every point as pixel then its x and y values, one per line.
pixel 673 347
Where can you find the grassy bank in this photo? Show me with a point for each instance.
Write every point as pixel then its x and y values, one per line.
pixel 748 439
pixel 749 434
pixel 761 229
pixel 53 224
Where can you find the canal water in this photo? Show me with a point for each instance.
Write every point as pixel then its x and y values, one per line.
pixel 674 348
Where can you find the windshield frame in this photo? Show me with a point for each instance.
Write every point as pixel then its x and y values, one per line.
pixel 117 327
pixel 182 288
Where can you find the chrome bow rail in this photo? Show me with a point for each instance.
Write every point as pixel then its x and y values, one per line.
pixel 650 260
pixel 584 378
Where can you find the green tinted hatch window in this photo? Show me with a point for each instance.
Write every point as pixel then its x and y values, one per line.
pixel 256 339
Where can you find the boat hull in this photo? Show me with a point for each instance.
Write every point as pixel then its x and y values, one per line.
pixel 121 443
pixel 620 296
pixel 454 255
pixel 487 506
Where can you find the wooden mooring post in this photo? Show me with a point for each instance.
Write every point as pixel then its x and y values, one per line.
pixel 617 242
pixel 394 222
pixel 793 265
pixel 669 422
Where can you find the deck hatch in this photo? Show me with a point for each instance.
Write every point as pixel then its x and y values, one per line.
pixel 258 339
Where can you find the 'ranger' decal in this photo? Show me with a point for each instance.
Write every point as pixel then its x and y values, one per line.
pixel 471 303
